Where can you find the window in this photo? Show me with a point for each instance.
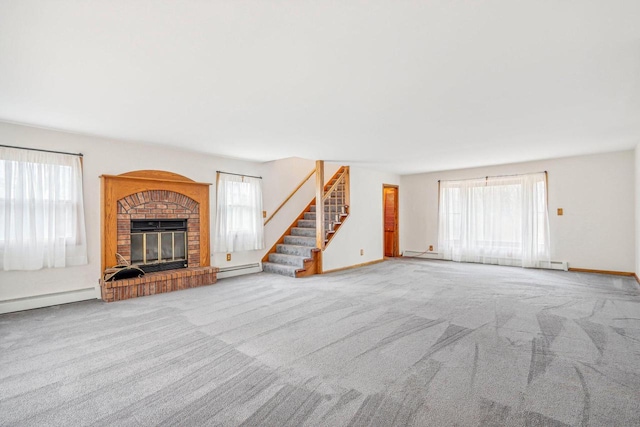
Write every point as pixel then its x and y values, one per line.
pixel 239 225
pixel 41 210
pixel 495 220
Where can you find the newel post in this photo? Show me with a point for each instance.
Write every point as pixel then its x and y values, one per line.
pixel 320 208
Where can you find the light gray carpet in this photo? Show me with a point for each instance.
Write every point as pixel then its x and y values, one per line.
pixel 405 342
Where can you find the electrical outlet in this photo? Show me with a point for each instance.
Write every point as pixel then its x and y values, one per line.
pixel 228 257
pixel 560 211
pixel 264 214
pixel 430 248
pixel 361 251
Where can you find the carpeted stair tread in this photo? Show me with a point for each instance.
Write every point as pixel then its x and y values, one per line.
pixel 303 251
pixel 294 260
pixel 300 240
pixel 282 269
pixel 339 208
pixel 306 223
pixel 336 218
pixel 306 232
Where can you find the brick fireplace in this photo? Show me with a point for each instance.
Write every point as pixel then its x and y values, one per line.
pixel 151 199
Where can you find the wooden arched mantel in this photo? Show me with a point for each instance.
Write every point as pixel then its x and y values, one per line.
pixel 116 187
pixel 156 175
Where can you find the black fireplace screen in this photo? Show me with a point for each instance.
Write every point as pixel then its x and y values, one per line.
pixel 159 244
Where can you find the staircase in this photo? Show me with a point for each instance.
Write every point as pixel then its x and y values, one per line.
pixel 295 254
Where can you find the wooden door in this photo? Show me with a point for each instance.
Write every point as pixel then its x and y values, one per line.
pixel 390 214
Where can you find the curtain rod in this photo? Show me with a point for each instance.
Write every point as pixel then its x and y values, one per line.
pixel 493 176
pixel 239 174
pixel 43 151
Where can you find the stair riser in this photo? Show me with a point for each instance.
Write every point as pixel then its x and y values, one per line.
pixel 286 260
pixel 306 232
pixel 303 251
pixel 301 241
pixel 310 216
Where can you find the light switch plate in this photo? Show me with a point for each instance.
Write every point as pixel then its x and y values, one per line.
pixel 560 212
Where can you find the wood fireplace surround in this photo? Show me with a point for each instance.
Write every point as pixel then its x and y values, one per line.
pixel 150 194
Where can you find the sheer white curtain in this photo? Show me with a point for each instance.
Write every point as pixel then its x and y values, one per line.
pixel 41 210
pixel 495 220
pixel 239 223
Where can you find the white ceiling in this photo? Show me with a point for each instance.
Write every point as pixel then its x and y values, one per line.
pixel 404 86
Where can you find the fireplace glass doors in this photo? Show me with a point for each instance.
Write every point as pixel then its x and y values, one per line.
pixel 158 245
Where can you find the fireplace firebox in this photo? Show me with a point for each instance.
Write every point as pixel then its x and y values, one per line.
pixel 158 245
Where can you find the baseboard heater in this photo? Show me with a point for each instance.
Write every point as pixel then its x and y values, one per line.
pixel 553 265
pixel 418 254
pixel 239 270
pixel 47 300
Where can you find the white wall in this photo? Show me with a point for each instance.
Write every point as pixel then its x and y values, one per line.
pixel 110 157
pixel 364 227
pixel 280 177
pixel 596 193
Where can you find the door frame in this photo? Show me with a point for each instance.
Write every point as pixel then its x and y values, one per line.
pixel 396 234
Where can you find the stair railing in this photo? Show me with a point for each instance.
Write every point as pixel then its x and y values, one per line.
pixel 336 202
pixel 295 190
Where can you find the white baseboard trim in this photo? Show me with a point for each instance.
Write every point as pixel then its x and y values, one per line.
pixel 239 270
pixel 47 300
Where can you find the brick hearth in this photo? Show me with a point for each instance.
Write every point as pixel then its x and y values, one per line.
pixel 157 283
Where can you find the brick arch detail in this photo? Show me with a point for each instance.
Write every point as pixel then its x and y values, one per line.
pixel 160 197
pixel 159 204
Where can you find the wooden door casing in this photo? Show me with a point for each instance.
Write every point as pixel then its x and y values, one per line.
pixel 390 213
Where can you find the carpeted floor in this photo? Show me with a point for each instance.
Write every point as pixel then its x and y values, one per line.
pixel 404 342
